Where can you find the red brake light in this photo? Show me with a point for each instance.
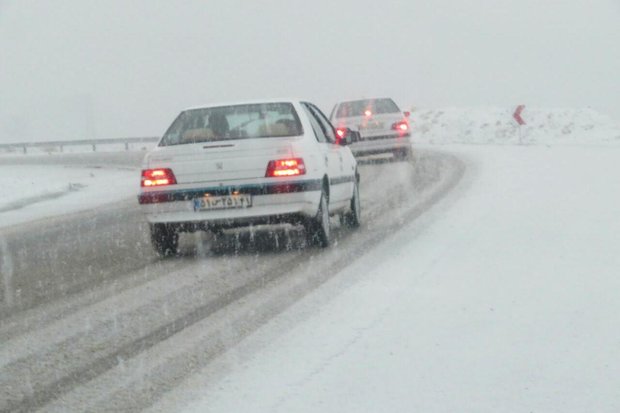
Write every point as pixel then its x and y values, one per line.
pixel 401 127
pixel 341 132
pixel 158 177
pixel 368 113
pixel 286 167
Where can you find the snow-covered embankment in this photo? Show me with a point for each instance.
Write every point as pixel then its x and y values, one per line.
pixel 497 126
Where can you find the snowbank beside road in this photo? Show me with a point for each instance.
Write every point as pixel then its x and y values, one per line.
pixel 31 192
pixel 496 125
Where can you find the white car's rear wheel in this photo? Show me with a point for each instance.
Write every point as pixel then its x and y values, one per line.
pixel 165 239
pixel 403 154
pixel 353 218
pixel 318 230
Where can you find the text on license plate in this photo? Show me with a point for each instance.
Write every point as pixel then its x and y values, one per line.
pixel 371 125
pixel 222 202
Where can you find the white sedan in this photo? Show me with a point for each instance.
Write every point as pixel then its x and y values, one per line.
pixel 226 166
pixel 382 126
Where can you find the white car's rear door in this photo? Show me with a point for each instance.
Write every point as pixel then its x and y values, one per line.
pixel 340 167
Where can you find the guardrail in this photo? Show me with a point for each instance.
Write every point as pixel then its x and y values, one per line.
pixel 80 142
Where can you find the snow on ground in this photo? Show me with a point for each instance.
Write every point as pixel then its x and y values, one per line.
pixel 31 192
pixel 503 298
pixel 496 125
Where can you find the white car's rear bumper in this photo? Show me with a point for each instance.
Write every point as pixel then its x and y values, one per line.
pixel 372 145
pixel 287 202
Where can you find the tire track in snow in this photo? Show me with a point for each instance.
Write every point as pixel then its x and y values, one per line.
pixel 6 269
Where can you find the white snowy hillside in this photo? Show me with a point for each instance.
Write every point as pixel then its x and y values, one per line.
pixel 497 126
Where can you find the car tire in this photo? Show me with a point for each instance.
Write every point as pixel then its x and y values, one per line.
pixel 403 154
pixel 165 239
pixel 353 218
pixel 318 229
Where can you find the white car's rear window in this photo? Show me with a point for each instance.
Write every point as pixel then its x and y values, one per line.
pixel 358 107
pixel 262 120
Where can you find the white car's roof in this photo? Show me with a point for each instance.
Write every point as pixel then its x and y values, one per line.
pixel 246 102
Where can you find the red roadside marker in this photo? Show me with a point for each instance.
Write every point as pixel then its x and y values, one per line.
pixel 517 115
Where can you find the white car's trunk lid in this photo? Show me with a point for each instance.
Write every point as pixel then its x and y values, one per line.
pixel 220 161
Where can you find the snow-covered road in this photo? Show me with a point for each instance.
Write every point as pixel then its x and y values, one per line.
pixel 492 292
pixel 503 298
pixel 91 321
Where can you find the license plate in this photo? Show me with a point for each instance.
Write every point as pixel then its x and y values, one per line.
pixel 371 126
pixel 208 203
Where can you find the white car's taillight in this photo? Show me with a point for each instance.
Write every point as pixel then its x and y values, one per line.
pixel 157 177
pixel 401 127
pixel 285 167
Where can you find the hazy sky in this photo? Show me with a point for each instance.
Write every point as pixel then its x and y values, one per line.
pixel 81 68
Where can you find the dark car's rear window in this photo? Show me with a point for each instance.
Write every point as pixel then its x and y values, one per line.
pixel 248 121
pixel 358 107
